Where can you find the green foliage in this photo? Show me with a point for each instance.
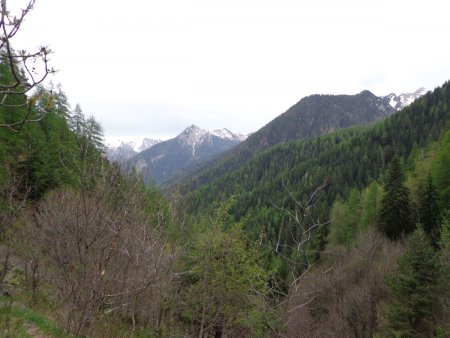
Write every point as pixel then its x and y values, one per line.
pixel 442 171
pixel 347 159
pixel 414 290
pixel 20 320
pixel 223 290
pixel 348 218
pixel 419 166
pixel 395 219
pixel 444 289
pixel 340 231
pixel 429 211
pixel 370 205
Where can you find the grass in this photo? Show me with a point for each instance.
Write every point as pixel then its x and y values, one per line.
pixel 14 319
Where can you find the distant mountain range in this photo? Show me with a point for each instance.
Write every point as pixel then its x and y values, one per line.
pixel 159 161
pixel 122 151
pixel 194 145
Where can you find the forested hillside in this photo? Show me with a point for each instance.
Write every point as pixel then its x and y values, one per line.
pixel 340 161
pixel 312 116
pixel 344 234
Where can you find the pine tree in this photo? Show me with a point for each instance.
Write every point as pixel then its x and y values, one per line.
pixel 429 211
pixel 414 290
pixel 395 219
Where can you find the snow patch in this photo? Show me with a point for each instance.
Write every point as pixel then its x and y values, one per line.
pixel 194 136
pixel 399 102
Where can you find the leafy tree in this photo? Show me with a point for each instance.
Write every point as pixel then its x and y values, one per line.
pixel 395 219
pixel 414 290
pixel 370 205
pixel 338 234
pixel 224 284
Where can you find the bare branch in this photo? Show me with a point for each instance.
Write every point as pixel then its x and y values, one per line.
pixel 27 69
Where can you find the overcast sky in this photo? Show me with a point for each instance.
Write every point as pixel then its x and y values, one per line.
pixel 153 67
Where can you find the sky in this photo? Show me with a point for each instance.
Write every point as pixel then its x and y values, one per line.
pixel 150 68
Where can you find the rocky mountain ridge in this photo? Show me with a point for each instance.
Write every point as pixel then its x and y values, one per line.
pixel 191 147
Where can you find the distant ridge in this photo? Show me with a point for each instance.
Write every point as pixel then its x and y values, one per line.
pixel 194 145
pixel 312 116
pixel 120 151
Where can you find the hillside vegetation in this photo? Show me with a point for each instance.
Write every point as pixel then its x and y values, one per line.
pixel 341 234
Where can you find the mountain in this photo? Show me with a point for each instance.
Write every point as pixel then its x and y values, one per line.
pixel 120 151
pixel 192 147
pixel 338 161
pixel 312 116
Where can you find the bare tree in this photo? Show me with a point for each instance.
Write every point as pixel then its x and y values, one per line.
pixel 347 298
pixel 104 253
pixel 28 69
pixel 293 245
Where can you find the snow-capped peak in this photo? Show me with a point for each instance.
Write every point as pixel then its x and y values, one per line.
pixel 122 150
pixel 223 133
pixel 194 136
pixel 136 144
pixel 399 102
pixel 191 135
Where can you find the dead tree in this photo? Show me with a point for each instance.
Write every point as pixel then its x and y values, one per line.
pixel 286 295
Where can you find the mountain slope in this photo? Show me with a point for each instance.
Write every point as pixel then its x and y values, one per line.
pixel 312 116
pixel 343 160
pixel 193 146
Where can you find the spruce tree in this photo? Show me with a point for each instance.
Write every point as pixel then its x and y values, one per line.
pixel 429 211
pixel 395 218
pixel 414 290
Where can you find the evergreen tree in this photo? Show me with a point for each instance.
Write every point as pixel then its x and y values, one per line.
pixel 62 104
pixel 77 121
pixel 395 218
pixel 444 290
pixel 429 211
pixel 414 290
pixel 442 171
pixel 94 133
